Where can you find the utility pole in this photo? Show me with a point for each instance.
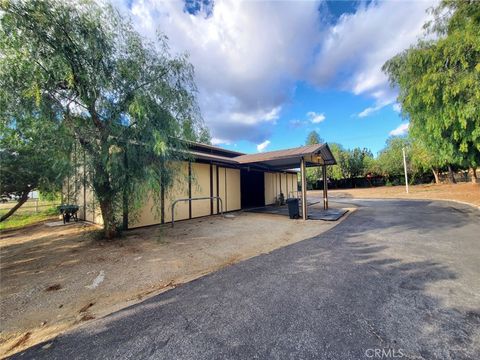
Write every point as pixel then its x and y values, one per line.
pixel 405 169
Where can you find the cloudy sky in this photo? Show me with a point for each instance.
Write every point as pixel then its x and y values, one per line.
pixel 268 72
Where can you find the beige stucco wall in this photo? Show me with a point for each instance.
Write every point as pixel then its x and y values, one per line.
pixel 94 213
pixel 283 184
pixel 269 179
pixel 200 188
pixel 214 174
pixel 149 214
pixel 179 190
pixel 279 182
pixel 233 189
pixel 229 190
pixel 222 186
pixel 292 184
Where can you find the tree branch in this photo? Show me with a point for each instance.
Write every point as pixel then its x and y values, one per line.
pixel 20 202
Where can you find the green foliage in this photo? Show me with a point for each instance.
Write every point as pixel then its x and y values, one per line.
pixel 335 171
pixel 350 163
pixel 126 101
pixel 439 83
pixel 390 159
pixel 50 196
pixel 313 174
pixel 34 154
pixel 313 138
pixel 423 159
pixel 357 160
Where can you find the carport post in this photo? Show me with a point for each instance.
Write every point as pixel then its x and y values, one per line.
pixel 325 187
pixel 304 189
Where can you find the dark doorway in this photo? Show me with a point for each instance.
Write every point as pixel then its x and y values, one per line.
pixel 252 185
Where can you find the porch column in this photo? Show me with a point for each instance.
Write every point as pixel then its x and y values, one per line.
pixel 325 187
pixel 304 189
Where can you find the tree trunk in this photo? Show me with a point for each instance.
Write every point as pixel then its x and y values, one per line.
pixel 108 215
pixel 473 169
pixel 435 174
pixel 106 199
pixel 20 202
pixel 451 176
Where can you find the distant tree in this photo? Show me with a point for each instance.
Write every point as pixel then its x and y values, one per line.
pixel 335 171
pixel 439 83
pixel 203 136
pixel 34 155
pixel 390 159
pixel 343 163
pixel 351 163
pixel 315 173
pixel 357 161
pixel 127 102
pixel 423 159
pixel 313 138
pixel 370 166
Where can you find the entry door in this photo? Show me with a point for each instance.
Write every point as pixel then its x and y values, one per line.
pixel 253 188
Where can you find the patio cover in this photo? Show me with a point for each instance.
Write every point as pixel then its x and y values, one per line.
pixel 313 155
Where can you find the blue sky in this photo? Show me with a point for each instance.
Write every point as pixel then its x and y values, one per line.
pixel 341 124
pixel 268 72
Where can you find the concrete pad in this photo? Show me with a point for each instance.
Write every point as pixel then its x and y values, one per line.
pixel 314 213
pixel 326 215
pixel 60 223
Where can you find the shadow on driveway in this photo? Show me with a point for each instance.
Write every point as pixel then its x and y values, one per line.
pixel 396 275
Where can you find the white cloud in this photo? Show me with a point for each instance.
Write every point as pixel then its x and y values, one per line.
pixel 315 118
pixel 397 107
pixel 356 47
pixel 370 110
pixel 217 141
pixel 249 55
pixel 261 147
pixel 402 129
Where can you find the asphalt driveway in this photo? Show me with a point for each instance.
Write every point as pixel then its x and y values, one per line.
pixel 395 279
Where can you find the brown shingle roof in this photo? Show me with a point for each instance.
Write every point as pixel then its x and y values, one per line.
pixel 285 154
pixel 276 160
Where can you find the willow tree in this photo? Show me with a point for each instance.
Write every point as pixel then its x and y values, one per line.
pixel 423 159
pixel 439 84
pixel 33 155
pixel 126 101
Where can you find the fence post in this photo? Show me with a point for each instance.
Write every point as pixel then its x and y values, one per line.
pixel 36 205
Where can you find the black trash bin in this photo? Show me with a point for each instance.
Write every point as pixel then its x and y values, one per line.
pixel 293 211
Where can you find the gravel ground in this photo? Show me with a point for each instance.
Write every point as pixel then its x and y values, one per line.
pixel 463 192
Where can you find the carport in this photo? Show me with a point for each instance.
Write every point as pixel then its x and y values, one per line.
pixel 301 157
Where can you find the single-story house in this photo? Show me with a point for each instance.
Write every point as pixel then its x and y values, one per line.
pixel 229 180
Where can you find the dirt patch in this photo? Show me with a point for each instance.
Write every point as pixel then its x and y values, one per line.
pixel 88 279
pixel 54 287
pixel 21 341
pixel 464 192
pixel 86 307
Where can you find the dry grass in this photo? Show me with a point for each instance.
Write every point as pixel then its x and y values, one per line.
pixel 54 278
pixel 464 192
